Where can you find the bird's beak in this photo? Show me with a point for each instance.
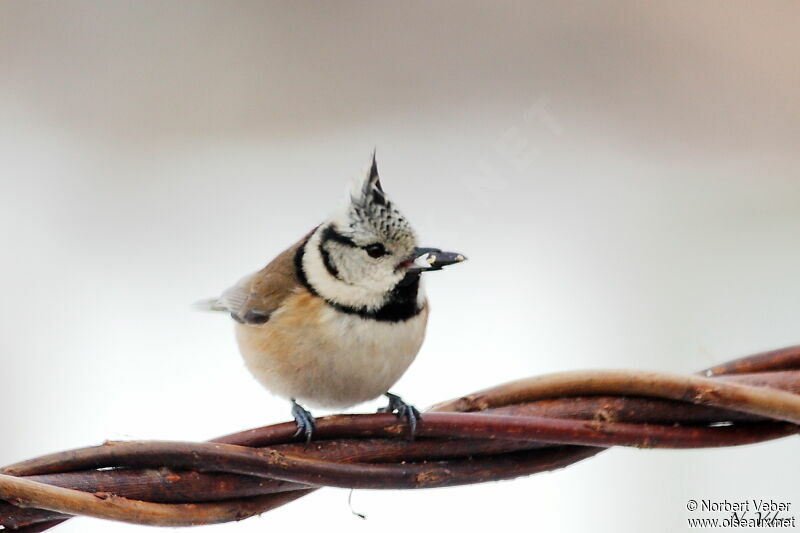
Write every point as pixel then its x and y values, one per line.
pixel 427 259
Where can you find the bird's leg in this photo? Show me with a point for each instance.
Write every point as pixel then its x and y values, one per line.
pixel 403 410
pixel 304 420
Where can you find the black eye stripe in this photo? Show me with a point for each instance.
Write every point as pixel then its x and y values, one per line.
pixel 375 250
pixel 330 234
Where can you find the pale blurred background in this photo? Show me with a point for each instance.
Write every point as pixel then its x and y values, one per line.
pixel 622 175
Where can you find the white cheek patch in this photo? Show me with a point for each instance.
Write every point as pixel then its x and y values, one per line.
pixel 371 290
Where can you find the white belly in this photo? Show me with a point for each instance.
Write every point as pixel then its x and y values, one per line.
pixel 326 358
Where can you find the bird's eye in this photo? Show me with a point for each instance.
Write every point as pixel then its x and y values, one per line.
pixel 376 250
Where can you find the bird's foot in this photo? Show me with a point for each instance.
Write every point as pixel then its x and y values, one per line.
pixel 403 410
pixel 304 420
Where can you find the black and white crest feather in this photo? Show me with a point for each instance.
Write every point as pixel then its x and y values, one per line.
pixel 371 210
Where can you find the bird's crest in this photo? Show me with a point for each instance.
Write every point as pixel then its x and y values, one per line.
pixel 371 211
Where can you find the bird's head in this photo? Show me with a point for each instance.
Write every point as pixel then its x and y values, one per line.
pixel 361 255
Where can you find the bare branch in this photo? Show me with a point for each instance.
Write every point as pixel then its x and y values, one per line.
pixel 516 429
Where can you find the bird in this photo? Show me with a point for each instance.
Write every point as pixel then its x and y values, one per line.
pixel 338 317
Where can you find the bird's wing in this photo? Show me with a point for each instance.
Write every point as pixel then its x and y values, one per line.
pixel 253 299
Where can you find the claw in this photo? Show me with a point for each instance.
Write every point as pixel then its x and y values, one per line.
pixel 403 410
pixel 304 420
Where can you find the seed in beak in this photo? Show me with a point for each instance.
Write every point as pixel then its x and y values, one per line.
pixel 425 260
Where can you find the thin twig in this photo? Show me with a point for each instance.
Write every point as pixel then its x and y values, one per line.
pixel 775 404
pixel 26 493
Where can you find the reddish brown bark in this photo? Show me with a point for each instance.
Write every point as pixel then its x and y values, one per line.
pixel 515 429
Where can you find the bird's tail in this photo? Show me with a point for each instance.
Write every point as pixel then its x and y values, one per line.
pixel 209 304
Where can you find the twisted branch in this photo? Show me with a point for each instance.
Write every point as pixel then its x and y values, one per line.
pixel 516 429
